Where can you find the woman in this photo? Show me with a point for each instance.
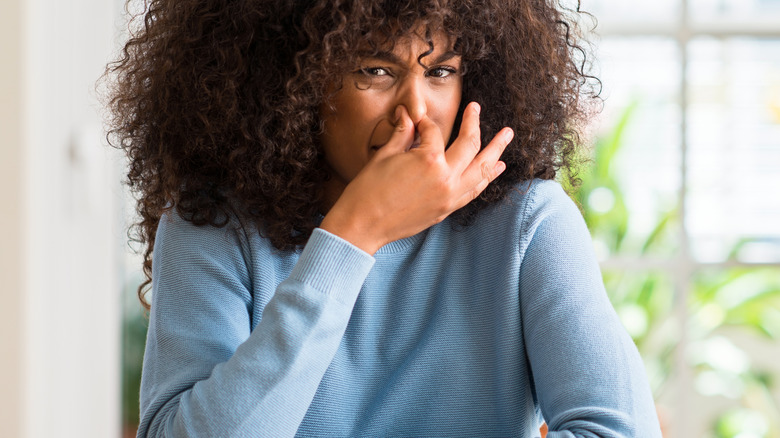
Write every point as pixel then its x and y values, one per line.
pixel 352 227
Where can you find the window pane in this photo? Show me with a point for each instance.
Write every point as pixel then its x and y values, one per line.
pixel 734 149
pixel 629 195
pixel 741 10
pixel 622 13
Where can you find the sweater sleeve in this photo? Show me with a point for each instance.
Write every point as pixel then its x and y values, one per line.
pixel 587 372
pixel 204 373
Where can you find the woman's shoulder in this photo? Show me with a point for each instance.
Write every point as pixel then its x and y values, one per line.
pixel 175 226
pixel 539 193
pixel 227 240
pixel 531 201
pixel 530 205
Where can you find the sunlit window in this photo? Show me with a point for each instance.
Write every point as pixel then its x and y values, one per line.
pixel 683 203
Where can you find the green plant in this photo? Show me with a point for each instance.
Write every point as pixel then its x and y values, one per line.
pixel 745 299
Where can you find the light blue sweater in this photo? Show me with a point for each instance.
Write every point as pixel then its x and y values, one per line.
pixel 473 332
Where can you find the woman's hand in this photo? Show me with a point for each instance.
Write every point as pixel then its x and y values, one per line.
pixel 403 189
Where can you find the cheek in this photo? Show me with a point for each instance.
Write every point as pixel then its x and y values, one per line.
pixel 353 113
pixel 345 139
pixel 448 112
pixel 338 123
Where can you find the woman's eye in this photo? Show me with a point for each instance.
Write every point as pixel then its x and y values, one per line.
pixel 373 77
pixel 441 72
pixel 375 71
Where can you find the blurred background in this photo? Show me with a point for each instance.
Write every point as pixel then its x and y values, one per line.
pixel 682 198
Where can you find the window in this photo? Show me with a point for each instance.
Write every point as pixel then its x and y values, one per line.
pixel 684 203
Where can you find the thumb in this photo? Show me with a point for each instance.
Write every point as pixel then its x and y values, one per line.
pixel 403 133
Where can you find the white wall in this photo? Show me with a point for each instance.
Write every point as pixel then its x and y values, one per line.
pixel 59 228
pixel 11 219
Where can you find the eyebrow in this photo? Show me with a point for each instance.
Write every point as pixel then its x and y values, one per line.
pixel 393 58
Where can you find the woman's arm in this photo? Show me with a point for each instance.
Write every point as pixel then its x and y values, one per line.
pixel 204 373
pixel 588 375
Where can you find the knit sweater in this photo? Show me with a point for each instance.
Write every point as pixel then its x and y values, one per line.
pixel 475 331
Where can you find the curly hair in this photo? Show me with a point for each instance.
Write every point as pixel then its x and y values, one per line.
pixel 216 102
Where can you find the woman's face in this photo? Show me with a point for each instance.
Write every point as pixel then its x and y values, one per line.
pixel 362 119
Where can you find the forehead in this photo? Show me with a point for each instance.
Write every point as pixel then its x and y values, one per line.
pixel 417 42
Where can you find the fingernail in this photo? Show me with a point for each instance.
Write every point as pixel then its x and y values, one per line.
pixel 499 167
pixel 509 134
pixel 397 114
pixel 477 108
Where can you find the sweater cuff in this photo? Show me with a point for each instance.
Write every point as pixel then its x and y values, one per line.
pixel 333 266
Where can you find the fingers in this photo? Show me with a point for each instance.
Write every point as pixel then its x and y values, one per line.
pixel 485 167
pixel 403 134
pixel 492 152
pixel 490 175
pixel 469 141
pixel 470 169
pixel 430 135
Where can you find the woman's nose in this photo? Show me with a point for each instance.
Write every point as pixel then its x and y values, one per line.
pixel 413 97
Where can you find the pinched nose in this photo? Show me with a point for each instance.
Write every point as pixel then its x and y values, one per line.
pixel 412 95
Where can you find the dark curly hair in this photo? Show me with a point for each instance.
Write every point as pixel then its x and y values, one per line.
pixel 216 102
